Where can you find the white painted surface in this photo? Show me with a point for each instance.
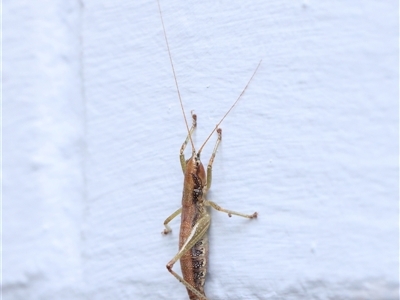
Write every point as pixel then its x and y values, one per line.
pixel 92 130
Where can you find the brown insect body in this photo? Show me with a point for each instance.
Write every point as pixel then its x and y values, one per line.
pixel 195 220
pixel 193 262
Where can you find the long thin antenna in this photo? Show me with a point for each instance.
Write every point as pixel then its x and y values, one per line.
pixel 176 81
pixel 233 105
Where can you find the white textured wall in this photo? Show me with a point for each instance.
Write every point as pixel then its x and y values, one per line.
pixel 92 130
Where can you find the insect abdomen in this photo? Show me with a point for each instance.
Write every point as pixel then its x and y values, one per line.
pixel 199 261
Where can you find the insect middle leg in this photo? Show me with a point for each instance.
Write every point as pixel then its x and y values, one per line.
pixel 229 212
pixel 169 219
pixel 183 165
pixel 209 180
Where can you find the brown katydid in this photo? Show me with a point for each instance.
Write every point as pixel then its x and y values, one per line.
pixel 195 220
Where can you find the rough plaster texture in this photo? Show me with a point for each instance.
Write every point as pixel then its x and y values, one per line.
pixel 92 129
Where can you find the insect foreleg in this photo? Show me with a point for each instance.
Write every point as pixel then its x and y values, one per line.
pixel 197 232
pixel 209 167
pixel 169 219
pixel 188 138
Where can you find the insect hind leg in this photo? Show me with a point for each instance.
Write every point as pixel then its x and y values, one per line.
pixel 197 232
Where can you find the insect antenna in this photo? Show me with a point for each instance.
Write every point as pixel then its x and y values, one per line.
pixel 176 81
pixel 233 105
